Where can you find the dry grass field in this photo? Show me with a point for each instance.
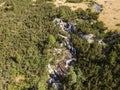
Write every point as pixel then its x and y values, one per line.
pixel 73 6
pixel 111 13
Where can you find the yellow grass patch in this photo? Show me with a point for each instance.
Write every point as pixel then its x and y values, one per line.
pixel 73 6
pixel 34 0
pixel 110 14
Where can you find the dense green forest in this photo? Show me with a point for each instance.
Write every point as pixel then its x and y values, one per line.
pixel 28 37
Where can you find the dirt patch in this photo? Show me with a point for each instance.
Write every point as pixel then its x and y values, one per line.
pixel 110 14
pixel 19 78
pixel 73 6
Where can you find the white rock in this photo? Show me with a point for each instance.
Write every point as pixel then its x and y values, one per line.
pixel 68 61
pixel 50 69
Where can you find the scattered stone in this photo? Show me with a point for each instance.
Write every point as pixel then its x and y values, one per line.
pixel 89 37
pixel 97 7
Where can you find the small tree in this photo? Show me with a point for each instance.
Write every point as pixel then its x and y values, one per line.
pixel 71 77
pixel 51 40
